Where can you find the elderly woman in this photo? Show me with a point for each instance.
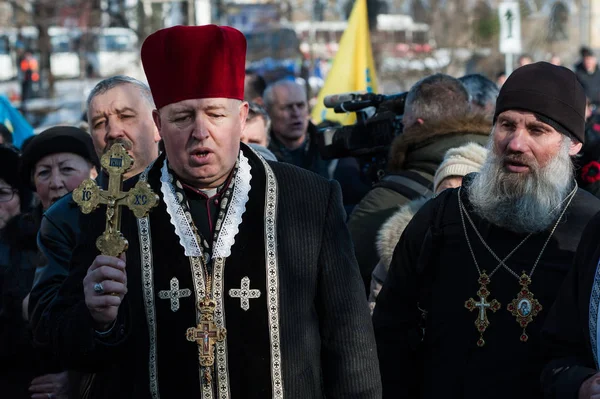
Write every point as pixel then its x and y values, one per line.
pixel 53 163
pixel 57 160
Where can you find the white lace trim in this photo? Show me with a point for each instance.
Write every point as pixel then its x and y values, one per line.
pixel 184 231
pixel 233 218
pixel 231 222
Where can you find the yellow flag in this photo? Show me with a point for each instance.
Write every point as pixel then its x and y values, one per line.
pixel 353 68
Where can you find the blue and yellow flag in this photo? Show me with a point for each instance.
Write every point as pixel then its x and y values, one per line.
pixel 15 122
pixel 353 69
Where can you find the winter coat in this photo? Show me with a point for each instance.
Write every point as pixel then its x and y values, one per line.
pixel 590 82
pixel 387 239
pixel 20 362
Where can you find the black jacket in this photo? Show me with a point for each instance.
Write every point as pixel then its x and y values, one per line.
pixel 306 157
pixel 590 83
pixel 570 332
pixel 20 362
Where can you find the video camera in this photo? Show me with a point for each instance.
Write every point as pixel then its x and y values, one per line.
pixel 378 121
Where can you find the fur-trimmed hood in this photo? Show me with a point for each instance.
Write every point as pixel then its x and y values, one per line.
pixel 442 134
pixel 392 229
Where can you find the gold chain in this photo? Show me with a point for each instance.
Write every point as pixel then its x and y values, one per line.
pixel 207 276
pixel 208 290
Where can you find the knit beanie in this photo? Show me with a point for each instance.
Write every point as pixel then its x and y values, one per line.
pixel 56 140
pixel 547 90
pixel 460 161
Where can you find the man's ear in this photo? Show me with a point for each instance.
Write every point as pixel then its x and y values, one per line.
pixel 575 147
pixel 158 124
pixel 244 109
pixel 93 172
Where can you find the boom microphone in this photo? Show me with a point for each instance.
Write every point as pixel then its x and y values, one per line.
pixel 337 99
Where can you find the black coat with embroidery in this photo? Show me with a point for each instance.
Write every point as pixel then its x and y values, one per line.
pixel 449 363
pixel 327 343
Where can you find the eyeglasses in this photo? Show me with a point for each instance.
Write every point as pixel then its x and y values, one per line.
pixel 7 194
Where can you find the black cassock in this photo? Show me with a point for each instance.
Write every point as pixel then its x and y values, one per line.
pixel 571 330
pixel 286 287
pixel 449 363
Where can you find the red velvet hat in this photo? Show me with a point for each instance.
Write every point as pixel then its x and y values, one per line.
pixel 187 62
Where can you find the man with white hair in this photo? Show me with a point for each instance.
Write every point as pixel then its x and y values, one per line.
pixel 477 269
pixel 293 135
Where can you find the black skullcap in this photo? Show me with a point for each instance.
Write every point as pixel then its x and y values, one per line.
pixel 56 140
pixel 547 90
pixel 10 162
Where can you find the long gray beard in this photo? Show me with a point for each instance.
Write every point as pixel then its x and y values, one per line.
pixel 527 203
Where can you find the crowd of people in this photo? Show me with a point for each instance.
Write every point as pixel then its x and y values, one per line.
pixel 469 270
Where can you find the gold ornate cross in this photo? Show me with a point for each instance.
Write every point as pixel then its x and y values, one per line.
pixel 206 334
pixel 139 199
pixel 482 322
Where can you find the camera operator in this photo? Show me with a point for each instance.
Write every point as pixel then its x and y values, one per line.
pixel 437 117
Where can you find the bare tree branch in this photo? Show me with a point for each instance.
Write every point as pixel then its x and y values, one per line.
pixel 16 5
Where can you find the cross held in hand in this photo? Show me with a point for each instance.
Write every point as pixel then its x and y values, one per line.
pixel 140 199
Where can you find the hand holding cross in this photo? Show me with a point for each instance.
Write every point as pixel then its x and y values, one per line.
pixel 107 273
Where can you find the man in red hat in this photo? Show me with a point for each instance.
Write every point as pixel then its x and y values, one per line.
pixel 242 283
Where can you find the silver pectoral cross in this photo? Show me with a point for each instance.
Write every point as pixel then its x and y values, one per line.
pixel 482 305
pixel 174 294
pixel 244 293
